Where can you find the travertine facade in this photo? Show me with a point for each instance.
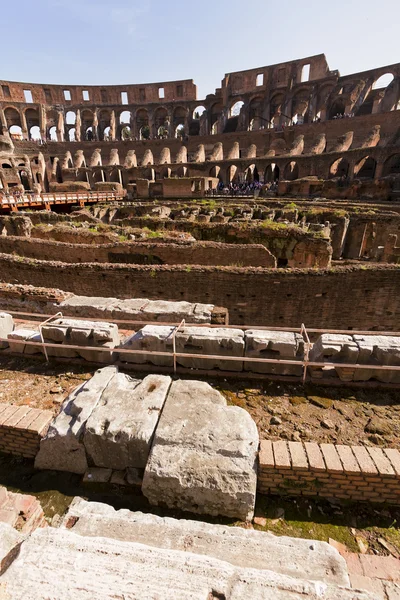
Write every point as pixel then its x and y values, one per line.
pixel 280 122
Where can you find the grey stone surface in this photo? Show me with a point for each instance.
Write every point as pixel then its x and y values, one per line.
pixel 6 327
pixel 303 559
pixel 59 564
pixel 62 448
pixel 203 457
pixel 82 333
pixel 138 309
pixel 273 344
pixel 154 338
pixel 25 334
pixel 10 541
pixel 212 341
pixel 191 340
pixel 120 430
pixel 361 349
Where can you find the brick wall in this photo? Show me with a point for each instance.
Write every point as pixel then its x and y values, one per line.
pixel 197 253
pixel 341 298
pixel 331 471
pixel 21 429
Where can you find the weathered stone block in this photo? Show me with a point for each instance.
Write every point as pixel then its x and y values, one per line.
pixel 273 344
pixel 6 327
pixel 203 457
pixel 27 335
pixel 62 448
pixel 211 341
pixel 154 338
pixel 120 430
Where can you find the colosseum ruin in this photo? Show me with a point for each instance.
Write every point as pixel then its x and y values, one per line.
pixel 200 338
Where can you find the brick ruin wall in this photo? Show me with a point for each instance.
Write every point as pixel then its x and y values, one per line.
pixel 356 473
pixel 22 428
pixel 343 297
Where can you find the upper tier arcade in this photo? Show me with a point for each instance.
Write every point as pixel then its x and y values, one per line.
pixel 271 97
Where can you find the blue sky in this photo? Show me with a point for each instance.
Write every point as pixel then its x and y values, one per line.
pixel 140 41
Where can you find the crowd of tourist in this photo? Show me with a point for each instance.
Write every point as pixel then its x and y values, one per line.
pixel 344 116
pixel 245 188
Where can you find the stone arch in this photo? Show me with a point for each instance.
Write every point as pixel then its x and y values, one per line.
pixel 215 114
pixel 365 168
pixel 198 115
pixel 70 117
pixel 165 173
pixel 232 174
pixel 12 117
pixel 392 165
pixel 300 105
pixel 256 120
pixel 339 168
pixel 291 171
pixel 338 108
pixel 142 121
pixel 251 174
pixel 214 171
pixel 272 173
pixel 383 81
pixel 104 123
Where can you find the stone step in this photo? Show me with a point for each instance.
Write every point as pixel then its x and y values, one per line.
pixel 246 548
pixel 58 564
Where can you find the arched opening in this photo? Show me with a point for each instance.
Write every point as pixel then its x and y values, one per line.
pixel 338 109
pixel 125 117
pixel 34 133
pixel 339 168
pixel 161 122
pixel 104 124
pixel 300 107
pixel 194 125
pixel 165 173
pixel 179 118
pixel 383 81
pixel 89 134
pixel 251 174
pixel 162 132
pixel 71 135
pixel 256 120
pixel 182 172
pixel 144 132
pixel 32 121
pixel 366 107
pixel 236 108
pixel 24 180
pixel 150 174
pixel 98 176
pixel 232 174
pixel 392 165
pixel 70 118
pixel 216 111
pixel 180 132
pixel 215 171
pixel 53 134
pixel 365 168
pixel 233 120
pixel 276 109
pixel 16 132
pixel 291 171
pixel 107 134
pixel 115 176
pixel 13 118
pixel 126 133
pixel 271 173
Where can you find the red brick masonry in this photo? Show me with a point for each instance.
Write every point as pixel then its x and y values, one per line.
pixel 334 471
pixel 21 429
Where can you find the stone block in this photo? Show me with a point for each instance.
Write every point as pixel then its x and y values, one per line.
pixel 153 338
pixel 47 568
pixel 241 547
pixel 273 344
pixel 62 448
pixel 27 335
pixel 120 429
pixel 211 341
pixel 6 327
pixel 203 457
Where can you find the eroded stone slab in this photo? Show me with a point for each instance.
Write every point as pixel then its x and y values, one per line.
pixel 203 457
pixel 151 338
pixel 10 541
pixel 58 564
pixel 120 429
pixel 62 448
pixel 303 559
pixel 6 327
pixel 213 341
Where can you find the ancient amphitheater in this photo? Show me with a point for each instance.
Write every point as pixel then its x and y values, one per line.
pixel 200 338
